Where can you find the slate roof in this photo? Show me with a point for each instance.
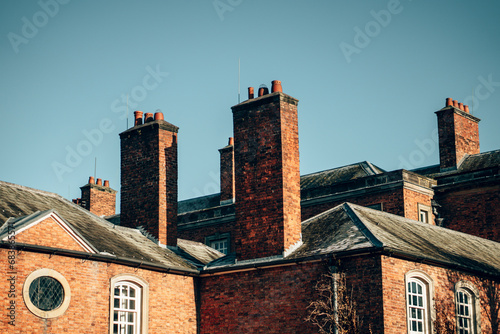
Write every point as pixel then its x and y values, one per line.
pixel 17 201
pixel 471 163
pixel 340 174
pixel 352 229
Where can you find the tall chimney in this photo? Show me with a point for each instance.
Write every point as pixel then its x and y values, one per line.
pixel 458 135
pixel 266 154
pixel 227 173
pixel 98 199
pixel 149 178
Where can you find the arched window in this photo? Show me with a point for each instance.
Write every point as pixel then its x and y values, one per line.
pixel 467 305
pixel 419 292
pixel 128 305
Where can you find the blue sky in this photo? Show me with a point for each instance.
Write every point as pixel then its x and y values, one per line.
pixel 369 77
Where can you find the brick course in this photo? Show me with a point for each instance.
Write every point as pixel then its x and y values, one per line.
pixel 172 306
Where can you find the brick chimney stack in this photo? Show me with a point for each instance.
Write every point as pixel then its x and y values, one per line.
pixel 149 177
pixel 227 173
pixel 98 199
pixel 458 134
pixel 266 154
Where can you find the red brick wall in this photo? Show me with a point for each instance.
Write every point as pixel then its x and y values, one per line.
pixel 99 200
pixel 458 135
pixel 259 301
pixel 471 210
pixel 392 202
pixel 50 234
pixel 267 176
pixel 393 273
pixel 199 234
pixel 411 200
pixel 171 298
pixel 149 179
pixel 227 172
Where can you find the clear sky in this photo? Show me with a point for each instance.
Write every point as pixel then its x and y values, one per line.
pixel 369 76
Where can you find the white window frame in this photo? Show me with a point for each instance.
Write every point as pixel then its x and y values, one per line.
pixel 218 237
pixel 426 210
pixel 427 295
pixel 474 306
pixel 141 300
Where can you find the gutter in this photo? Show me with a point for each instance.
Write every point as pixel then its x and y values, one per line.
pixel 102 258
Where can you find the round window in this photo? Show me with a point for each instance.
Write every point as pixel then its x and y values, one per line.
pixel 46 293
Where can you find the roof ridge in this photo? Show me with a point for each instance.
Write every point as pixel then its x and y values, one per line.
pixel 361 225
pixel 334 168
pixel 37 191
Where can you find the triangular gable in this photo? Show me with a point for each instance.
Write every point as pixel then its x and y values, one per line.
pixel 47 229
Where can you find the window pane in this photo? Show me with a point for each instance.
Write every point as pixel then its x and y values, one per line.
pixel 132 304
pixel 132 292
pixel 46 293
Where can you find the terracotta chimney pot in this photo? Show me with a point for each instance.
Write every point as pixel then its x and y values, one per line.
pixel 455 103
pixel 461 106
pixel 159 116
pixel 106 183
pixel 138 117
pixel 449 102
pixel 148 117
pixel 231 141
pixel 250 93
pixel 91 180
pixel 276 86
pixel 99 182
pixel 466 108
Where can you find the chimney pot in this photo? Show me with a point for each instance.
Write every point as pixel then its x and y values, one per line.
pixel 106 183
pixel 159 116
pixel 455 103
pixel 99 182
pixel 466 108
pixel 461 106
pixel 263 90
pixel 91 180
pixel 276 86
pixel 449 102
pixel 231 141
pixel 250 93
pixel 138 117
pixel 148 117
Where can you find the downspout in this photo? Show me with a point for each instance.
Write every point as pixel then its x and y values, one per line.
pixel 335 278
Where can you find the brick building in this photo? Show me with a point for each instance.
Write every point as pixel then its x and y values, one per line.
pixel 419 249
